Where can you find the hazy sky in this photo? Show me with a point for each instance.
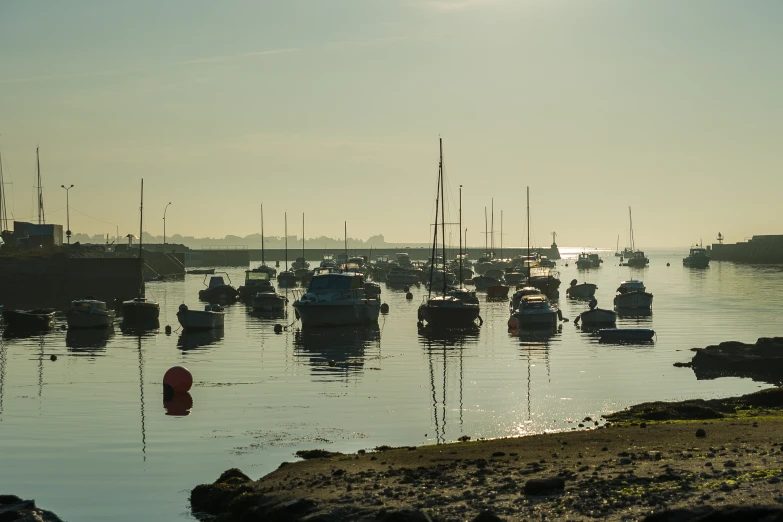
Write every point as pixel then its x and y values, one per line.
pixel 334 108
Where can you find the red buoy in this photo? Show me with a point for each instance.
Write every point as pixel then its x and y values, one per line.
pixel 178 378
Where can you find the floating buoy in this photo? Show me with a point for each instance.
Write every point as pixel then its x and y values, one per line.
pixel 407 288
pixel 409 296
pixel 178 378
pixel 168 329
pixel 566 264
pixel 278 328
pixel 331 363
pixel 384 308
pixel 667 264
pixel 513 323
pixel 53 357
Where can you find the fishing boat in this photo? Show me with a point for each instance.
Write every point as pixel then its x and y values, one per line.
pixel 583 261
pixel 255 281
pixel 632 295
pixel 211 317
pixel 268 301
pixel 596 316
pixel 519 294
pixel 534 311
pixel 218 291
pixel 140 311
pixel 698 257
pixel 401 276
pixel 454 307
pixel 578 290
pixel 264 268
pixel 89 313
pixel 36 319
pixel 337 299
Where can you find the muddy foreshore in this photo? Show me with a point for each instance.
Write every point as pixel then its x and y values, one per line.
pixel 690 460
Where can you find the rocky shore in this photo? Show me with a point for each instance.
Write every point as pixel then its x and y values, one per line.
pixel 691 460
pixel 15 509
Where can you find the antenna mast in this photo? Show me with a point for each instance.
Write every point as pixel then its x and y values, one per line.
pixel 3 210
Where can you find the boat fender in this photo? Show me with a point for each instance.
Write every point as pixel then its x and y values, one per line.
pixel 573 282
pixel 168 329
pixel 278 328
pixel 560 314
pixel 409 296
pixel 481 321
pixel 183 308
pixel 384 308
pixel 420 315
pixel 296 313
pixel 576 321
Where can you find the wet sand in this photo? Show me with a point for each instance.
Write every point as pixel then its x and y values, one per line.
pixel 648 459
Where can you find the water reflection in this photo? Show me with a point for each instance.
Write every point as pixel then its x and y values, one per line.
pixel 279 314
pixel 24 333
pixel 199 339
pixel 336 351
pixel 139 329
pixel 3 362
pixel 441 346
pixel 177 404
pixel 90 341
pixel 535 346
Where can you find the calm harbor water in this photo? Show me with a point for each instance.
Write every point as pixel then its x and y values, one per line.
pixel 88 435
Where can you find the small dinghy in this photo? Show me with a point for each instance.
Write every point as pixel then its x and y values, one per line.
pixel 39 319
pixel 581 291
pixel 626 335
pixel 211 317
pixel 596 316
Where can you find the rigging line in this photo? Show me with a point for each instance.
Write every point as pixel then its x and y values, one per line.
pixel 92 217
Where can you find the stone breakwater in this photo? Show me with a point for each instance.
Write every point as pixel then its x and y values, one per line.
pixel 657 461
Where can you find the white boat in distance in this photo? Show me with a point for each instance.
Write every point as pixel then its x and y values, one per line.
pixel 632 295
pixel 89 313
pixel 337 300
pixel 211 317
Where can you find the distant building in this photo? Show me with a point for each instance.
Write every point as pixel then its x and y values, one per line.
pixel 30 235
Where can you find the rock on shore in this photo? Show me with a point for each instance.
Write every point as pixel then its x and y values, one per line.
pixel 762 361
pixel 629 471
pixel 14 509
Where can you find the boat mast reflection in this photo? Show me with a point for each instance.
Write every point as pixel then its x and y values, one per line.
pixel 445 344
pixel 535 346
pixel 2 373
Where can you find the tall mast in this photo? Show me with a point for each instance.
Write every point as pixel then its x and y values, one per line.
pixel 41 215
pixel 630 218
pixel 345 233
pixel 486 237
pixel 303 254
pixel 501 234
pixel 460 236
pixel 492 230
pixel 435 233
pixel 3 211
pixel 528 232
pixel 442 216
pixel 141 235
pixel 286 241
pixel 263 261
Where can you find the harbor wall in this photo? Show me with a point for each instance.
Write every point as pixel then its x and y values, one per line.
pixel 767 249
pixel 416 253
pixel 54 281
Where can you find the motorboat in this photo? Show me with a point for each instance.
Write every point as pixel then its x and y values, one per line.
pixel 89 313
pixel 626 335
pixel 299 263
pixel 546 262
pixel 268 301
pixel 498 291
pixel 632 295
pixel 519 294
pixel 286 279
pixel 638 260
pixel 482 282
pixel 546 280
pixel 698 257
pixel 218 291
pixel 272 271
pixel 595 260
pixel 336 299
pixel 211 317
pixel 140 311
pixel 596 316
pixel 401 276
pixel 514 277
pixel 583 261
pixel 328 261
pixel 37 319
pixel 255 282
pixel 535 311
pixel 578 290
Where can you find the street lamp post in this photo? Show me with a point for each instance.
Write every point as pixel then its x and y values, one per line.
pixel 164 222
pixel 68 212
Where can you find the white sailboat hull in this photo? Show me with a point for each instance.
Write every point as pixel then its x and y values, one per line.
pixel 200 320
pixel 364 311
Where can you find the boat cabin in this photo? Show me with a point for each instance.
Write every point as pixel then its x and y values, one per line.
pixel 403 259
pixel 87 305
pixel 333 282
pixel 216 281
pixel 631 286
pixel 534 302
